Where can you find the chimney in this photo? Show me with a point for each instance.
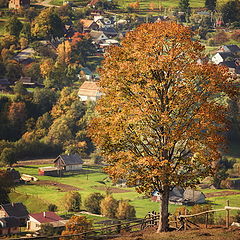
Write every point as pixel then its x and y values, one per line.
pixel 44 214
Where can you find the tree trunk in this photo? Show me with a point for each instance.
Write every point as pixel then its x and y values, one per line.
pixel 163 221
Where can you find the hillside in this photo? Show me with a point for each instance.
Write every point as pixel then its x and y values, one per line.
pixel 215 233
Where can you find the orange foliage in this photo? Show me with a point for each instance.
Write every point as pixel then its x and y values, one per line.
pixel 159 123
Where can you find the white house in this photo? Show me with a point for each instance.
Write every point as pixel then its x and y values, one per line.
pixel 98 36
pixel 89 90
pixel 221 57
pixel 37 219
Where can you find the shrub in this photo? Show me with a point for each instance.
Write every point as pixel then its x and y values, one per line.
pixel 109 206
pixel 202 218
pixel 92 203
pixel 72 201
pixel 125 210
pixel 47 229
pixel 52 207
pixel 77 224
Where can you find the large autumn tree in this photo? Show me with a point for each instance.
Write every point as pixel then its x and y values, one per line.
pixel 159 121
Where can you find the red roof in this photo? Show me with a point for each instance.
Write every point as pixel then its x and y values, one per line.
pixel 46 217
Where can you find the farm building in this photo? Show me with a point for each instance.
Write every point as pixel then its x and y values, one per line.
pixel 180 196
pixel 17 210
pixel 71 162
pixel 48 171
pixel 37 219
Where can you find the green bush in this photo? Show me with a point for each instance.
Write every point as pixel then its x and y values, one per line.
pixel 72 201
pixel 92 203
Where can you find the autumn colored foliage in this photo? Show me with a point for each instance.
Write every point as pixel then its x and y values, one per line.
pixel 159 122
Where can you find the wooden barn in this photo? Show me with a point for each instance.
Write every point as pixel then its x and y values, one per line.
pixel 48 171
pixel 71 162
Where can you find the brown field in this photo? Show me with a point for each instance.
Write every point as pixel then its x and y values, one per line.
pixel 60 186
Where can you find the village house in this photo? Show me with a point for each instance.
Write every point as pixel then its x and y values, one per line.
pixel 25 56
pixel 36 220
pixel 89 25
pixel 222 57
pixel 110 32
pixel 85 73
pixel 29 82
pixel 9 225
pixel 179 196
pixel 71 162
pixel 103 22
pixel 16 4
pixel 17 210
pixel 89 90
pixel 97 36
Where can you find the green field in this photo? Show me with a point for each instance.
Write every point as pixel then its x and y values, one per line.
pixel 89 180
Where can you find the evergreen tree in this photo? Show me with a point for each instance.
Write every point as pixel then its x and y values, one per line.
pixel 14 26
pixel 210 4
pixel 184 6
pixel 231 11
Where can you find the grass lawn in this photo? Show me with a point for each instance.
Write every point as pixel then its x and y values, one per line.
pixel 92 179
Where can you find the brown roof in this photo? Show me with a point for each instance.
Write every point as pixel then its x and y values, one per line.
pixel 46 217
pixel 86 22
pixel 89 88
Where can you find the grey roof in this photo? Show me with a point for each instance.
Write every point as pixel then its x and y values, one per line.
pixel 9 222
pixel 109 30
pixel 72 159
pixel 96 34
pixel 15 210
pixel 224 55
pixel 231 48
pixel 229 64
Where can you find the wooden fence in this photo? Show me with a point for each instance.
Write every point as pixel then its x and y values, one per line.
pixel 180 222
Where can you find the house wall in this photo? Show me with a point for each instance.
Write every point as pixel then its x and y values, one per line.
pixel 33 225
pixel 7 231
pixel 217 59
pixel 73 167
pixel 2 214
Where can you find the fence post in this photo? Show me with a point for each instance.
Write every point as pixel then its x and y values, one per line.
pixel 227 214
pixel 206 223
pixel 185 219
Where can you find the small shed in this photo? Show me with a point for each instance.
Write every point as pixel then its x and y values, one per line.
pixel 48 171
pixel 71 162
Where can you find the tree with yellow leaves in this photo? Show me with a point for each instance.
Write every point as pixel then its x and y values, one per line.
pixel 159 122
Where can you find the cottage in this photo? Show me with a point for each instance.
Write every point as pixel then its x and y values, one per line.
pixel 29 82
pixel 180 196
pixel 222 56
pixel 234 49
pixel 89 25
pixel 89 90
pixel 72 162
pixel 233 66
pixel 110 32
pixel 17 210
pixel 9 225
pixel 26 56
pixel 85 73
pixel 97 36
pixel 37 219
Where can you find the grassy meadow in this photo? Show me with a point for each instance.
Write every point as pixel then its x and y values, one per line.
pixel 92 179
